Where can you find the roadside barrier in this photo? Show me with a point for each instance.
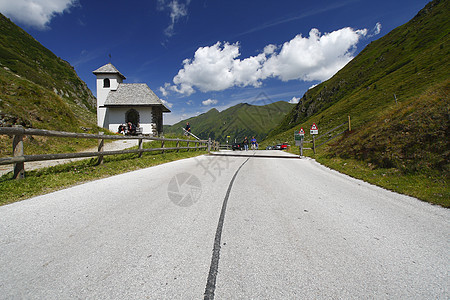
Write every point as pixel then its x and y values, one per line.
pixel 19 158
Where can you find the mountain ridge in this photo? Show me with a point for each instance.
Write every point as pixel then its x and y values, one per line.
pixel 40 90
pixel 384 58
pixel 238 121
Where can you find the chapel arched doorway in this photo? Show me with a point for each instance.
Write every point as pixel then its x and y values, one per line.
pixel 132 116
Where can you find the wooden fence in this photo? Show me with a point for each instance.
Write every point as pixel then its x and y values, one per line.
pixel 19 158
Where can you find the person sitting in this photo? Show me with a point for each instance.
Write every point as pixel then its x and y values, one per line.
pixel 121 129
pixel 131 129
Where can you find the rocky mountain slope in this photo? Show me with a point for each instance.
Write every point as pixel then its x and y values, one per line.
pixel 39 89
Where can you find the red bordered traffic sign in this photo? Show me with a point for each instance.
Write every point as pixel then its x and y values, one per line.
pixel 314 129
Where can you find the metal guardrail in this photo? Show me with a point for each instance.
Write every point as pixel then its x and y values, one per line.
pixel 190 133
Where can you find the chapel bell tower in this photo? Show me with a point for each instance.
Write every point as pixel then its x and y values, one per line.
pixel 108 79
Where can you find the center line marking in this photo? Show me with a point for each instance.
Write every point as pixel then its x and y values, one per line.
pixel 211 283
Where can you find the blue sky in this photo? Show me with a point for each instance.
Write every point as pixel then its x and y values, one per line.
pixel 200 54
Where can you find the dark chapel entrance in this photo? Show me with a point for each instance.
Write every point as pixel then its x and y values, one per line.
pixel 132 116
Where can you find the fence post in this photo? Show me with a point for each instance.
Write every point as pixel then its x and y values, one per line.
pixel 162 146
pixel 19 168
pixel 140 147
pixel 187 145
pixel 209 145
pixel 101 143
pixel 178 146
pixel 349 124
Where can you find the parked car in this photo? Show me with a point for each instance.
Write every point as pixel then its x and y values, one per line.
pixel 283 146
pixel 237 146
pixel 269 147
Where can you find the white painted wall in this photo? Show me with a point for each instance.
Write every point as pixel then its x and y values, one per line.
pixel 116 116
pixel 145 114
pixel 102 93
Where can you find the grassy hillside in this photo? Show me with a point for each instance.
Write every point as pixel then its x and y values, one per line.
pixel 396 92
pixel 40 90
pixel 237 122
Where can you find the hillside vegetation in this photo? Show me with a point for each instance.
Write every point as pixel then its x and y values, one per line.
pixel 237 121
pixel 40 90
pixel 396 92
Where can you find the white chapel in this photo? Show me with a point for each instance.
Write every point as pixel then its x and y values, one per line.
pixel 119 103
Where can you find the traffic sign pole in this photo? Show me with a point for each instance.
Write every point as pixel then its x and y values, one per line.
pixel 313 131
pixel 314 144
pixel 301 148
pixel 298 137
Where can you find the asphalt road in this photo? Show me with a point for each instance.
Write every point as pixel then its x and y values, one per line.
pixel 228 227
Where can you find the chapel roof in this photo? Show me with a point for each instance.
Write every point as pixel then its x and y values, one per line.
pixel 134 94
pixel 108 69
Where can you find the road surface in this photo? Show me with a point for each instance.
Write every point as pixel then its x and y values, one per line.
pixel 227 227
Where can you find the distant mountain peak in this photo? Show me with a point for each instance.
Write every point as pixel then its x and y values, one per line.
pixel 238 121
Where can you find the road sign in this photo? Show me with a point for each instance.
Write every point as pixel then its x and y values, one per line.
pixel 314 129
pixel 298 136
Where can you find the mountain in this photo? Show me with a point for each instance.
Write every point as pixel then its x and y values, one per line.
pixel 404 62
pixel 237 121
pixel 39 89
pixel 34 80
pixel 396 92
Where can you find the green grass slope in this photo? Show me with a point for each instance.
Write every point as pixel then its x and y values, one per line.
pixel 396 92
pixel 237 122
pixel 40 90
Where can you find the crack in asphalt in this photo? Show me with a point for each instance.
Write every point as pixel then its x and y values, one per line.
pixel 211 282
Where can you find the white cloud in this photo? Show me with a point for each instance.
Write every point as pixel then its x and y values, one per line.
pixel 167 103
pixel 172 118
pixel 177 10
pixel 164 90
pixel 35 13
pixel 376 30
pixel 316 57
pixel 217 68
pixel 210 102
pixel 294 100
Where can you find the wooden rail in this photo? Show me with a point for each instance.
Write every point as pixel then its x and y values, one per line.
pixel 20 158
